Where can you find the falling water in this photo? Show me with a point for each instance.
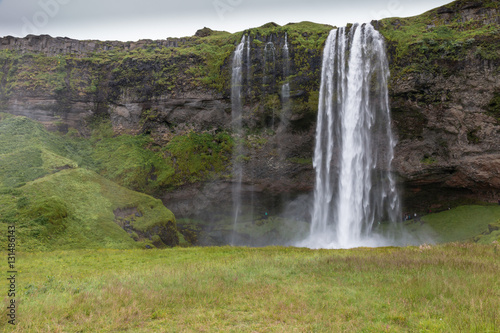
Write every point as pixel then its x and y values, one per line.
pixel 354 189
pixel 249 64
pixel 269 62
pixel 285 88
pixel 269 72
pixel 251 167
pixel 236 104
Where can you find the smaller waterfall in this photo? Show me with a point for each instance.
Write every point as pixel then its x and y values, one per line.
pixel 236 112
pixel 285 88
pixel 269 80
pixel 249 66
pixel 269 61
pixel 251 168
pixel 285 96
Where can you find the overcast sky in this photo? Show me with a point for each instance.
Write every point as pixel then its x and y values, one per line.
pixel 130 20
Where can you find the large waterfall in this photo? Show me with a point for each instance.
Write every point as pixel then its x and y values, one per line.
pixel 354 190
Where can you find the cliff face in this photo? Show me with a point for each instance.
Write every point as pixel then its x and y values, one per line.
pixel 166 92
pixel 444 92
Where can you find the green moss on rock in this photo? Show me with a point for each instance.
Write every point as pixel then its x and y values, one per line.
pixel 494 106
pixel 198 156
pixel 438 40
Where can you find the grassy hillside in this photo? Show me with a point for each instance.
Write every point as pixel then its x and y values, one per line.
pixel 449 288
pixel 470 223
pixel 465 222
pixel 56 204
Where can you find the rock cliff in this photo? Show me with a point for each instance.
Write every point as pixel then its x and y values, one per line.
pixel 444 92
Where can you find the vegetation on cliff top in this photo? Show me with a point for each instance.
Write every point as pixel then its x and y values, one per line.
pixel 147 71
pixel 427 42
pixel 199 63
pixel 434 46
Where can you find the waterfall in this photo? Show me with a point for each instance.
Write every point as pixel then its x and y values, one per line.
pixel 249 96
pixel 236 105
pixel 269 79
pixel 249 65
pixel 354 189
pixel 285 88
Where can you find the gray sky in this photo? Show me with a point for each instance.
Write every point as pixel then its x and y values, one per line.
pixel 130 20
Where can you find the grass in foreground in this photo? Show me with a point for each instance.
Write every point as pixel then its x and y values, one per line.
pixel 446 288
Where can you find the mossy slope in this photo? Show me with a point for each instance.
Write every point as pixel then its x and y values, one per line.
pixel 140 164
pixel 463 223
pixel 54 203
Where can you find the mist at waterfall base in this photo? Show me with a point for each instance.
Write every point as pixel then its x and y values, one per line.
pixel 355 201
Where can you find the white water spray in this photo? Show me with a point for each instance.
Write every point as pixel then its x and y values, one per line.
pixel 354 189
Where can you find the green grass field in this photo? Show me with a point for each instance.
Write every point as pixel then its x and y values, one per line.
pixel 446 288
pixel 470 223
